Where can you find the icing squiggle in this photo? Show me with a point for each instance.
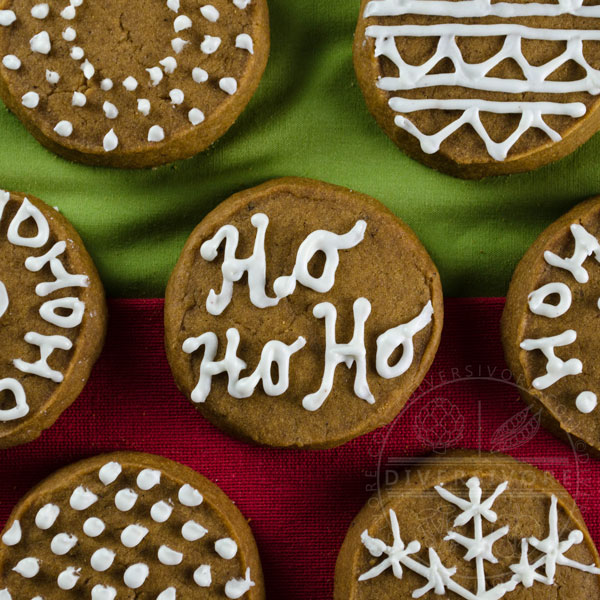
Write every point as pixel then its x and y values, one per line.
pixel 4 302
pixel 21 408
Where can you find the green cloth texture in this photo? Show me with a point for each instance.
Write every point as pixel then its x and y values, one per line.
pixel 307 119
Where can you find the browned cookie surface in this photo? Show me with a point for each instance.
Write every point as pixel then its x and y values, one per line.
pixel 128 525
pixel 472 526
pixel 52 317
pixel 302 314
pixel 481 88
pixel 131 83
pixel 551 324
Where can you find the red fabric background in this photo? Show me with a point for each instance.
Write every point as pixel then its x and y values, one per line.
pixel 300 503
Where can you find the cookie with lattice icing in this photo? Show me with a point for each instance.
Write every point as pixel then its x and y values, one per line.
pixel 302 314
pixel 473 526
pixel 128 525
pixel 477 88
pixel 130 83
pixel 551 328
pixel 52 317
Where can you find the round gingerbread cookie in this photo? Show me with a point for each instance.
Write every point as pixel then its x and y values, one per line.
pixel 302 314
pixel 476 88
pixel 128 525
pixel 472 526
pixel 52 317
pixel 550 326
pixel 130 83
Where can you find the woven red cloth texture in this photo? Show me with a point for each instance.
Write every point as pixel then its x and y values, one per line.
pixel 300 503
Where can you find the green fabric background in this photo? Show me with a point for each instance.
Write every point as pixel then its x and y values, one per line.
pixel 309 119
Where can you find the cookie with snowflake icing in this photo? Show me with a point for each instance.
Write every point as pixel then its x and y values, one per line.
pixel 302 314
pixel 551 326
pixel 128 525
pixel 52 317
pixel 477 88
pixel 130 83
pixel 473 526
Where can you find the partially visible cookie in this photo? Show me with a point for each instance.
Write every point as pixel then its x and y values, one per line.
pixel 551 325
pixel 302 314
pixel 52 317
pixel 472 526
pixel 128 525
pixel 130 83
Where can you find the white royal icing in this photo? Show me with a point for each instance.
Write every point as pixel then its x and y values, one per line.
pixel 143 106
pixel 106 85
pixel 242 4
pixel 64 128
pixel 93 527
pixel 110 141
pixel 236 588
pixel 539 306
pixel 77 53
pixel 181 23
pixel 192 531
pixel 177 97
pixel 77 308
pixel 132 535
pixel 136 575
pixel 12 536
pixel 130 84
pixel 178 45
pixel 69 34
pixel 148 478
pixel 40 43
pixel 156 134
pixel 88 69
pixel 210 44
pixel 103 592
pixel 110 110
pixel 169 557
pixel 40 11
pixel 161 511
pixel 102 559
pixel 189 496
pixel 28 567
pixel 30 100
pixel 28 211
pixel 228 85
pixel 210 13
pixel 226 548
pixel 63 543
pixel 52 77
pixel 125 499
pixel 202 576
pixel 46 516
pixel 68 578
pixel 4 300
pixel 47 344
pixel 79 99
pixel 199 75
pixel 173 5
pixel 7 18
pixel 168 594
pixel 196 116
pixel 110 472
pixel 169 64
pixel 244 42
pixel 21 407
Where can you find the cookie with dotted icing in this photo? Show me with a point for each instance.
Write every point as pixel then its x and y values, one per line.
pixel 130 83
pixel 52 317
pixel 550 326
pixel 473 526
pixel 476 88
pixel 128 525
pixel 302 314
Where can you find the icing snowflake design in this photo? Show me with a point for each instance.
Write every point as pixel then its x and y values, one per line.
pixel 99 76
pixel 477 76
pixel 105 557
pixel 475 510
pixel 586 245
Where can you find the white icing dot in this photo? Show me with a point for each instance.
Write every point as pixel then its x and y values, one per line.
pixel 210 13
pixel 40 11
pixel 199 75
pixel 64 128
pixel 181 22
pixel 241 3
pixel 30 100
pixel 178 44
pixel 168 594
pixel 173 5
pixel 244 41
pixel 77 53
pixel 103 592
pixel 599 303
pixel 161 511
pixel 110 110
pixel 169 557
pixel 46 516
pixel 76 3
pixel 586 402
pixel 7 17
pixel 106 85
pixel 176 96
pixel 110 471
pixel 236 588
pixel 52 77
pixel 28 567
pixel 82 498
pixel 40 43
pixel 125 500
pixel 156 75
pixel 79 99
pixel 228 85
pixel 136 575
pixel 130 84
pixel 62 544
pixel 10 61
pixel 189 496
pixel 169 64
pixel 88 69
pixel 132 535
pixel 148 478
pixel 144 106
pixel 68 578
pixel 210 44
pixel 93 527
pixel 69 34
pixel 226 548
pixel 68 13
pixel 192 531
pixel 202 576
pixel 196 116
pixel 102 559
pixel 12 536
pixel 156 134
pixel 110 141
pixel 5 595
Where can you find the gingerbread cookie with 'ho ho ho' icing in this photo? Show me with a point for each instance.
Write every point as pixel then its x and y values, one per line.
pixel 472 526
pixel 551 328
pixel 476 88
pixel 302 314
pixel 128 525
pixel 52 317
pixel 130 83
